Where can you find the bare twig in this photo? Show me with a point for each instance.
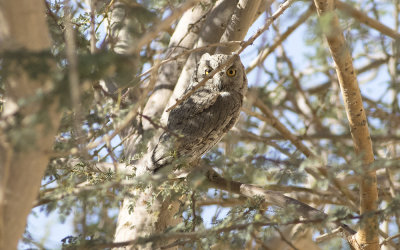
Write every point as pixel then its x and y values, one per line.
pixel 373 64
pixel 363 18
pixel 105 14
pixel 387 240
pixel 187 52
pixel 329 235
pixel 296 83
pixel 267 51
pixel 268 23
pixel 274 122
pixel 270 197
pixel 248 136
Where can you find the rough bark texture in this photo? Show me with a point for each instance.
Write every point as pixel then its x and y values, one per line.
pixel 22 169
pixel 367 236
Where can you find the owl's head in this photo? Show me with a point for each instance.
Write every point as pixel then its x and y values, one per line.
pixel 231 77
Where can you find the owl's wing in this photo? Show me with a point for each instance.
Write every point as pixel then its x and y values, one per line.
pixel 183 124
pixel 202 124
pixel 187 112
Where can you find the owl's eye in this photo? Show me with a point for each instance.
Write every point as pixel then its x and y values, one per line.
pixel 231 72
pixel 208 71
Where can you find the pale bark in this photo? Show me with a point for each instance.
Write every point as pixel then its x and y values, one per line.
pixel 22 169
pixel 211 32
pixel 143 221
pixel 367 236
pixel 240 22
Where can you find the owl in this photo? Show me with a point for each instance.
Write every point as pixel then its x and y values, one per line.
pixel 199 122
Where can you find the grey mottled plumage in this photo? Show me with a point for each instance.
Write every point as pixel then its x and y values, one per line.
pixel 203 118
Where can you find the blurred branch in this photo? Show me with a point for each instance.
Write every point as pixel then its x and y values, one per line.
pixel 363 18
pixel 270 119
pixel 202 234
pixel 274 122
pixel 389 239
pixel 248 136
pixel 312 113
pixel 187 52
pixel 269 197
pixel 269 49
pixel 372 65
pixel 329 235
pixel 73 75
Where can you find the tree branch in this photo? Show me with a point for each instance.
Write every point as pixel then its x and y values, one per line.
pixel 363 18
pixel 367 236
pixel 269 49
pixel 270 197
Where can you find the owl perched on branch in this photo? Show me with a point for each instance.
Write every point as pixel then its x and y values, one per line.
pixel 200 121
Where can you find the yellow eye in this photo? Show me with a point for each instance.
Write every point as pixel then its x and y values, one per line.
pixel 208 71
pixel 231 72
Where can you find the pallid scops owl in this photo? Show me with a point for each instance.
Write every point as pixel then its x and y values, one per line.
pixel 198 123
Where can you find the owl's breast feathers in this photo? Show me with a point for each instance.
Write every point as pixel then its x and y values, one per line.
pixel 200 122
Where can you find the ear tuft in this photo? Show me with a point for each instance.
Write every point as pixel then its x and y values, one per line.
pixel 205 56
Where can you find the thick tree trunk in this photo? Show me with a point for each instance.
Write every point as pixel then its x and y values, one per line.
pixel 143 221
pixel 22 165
